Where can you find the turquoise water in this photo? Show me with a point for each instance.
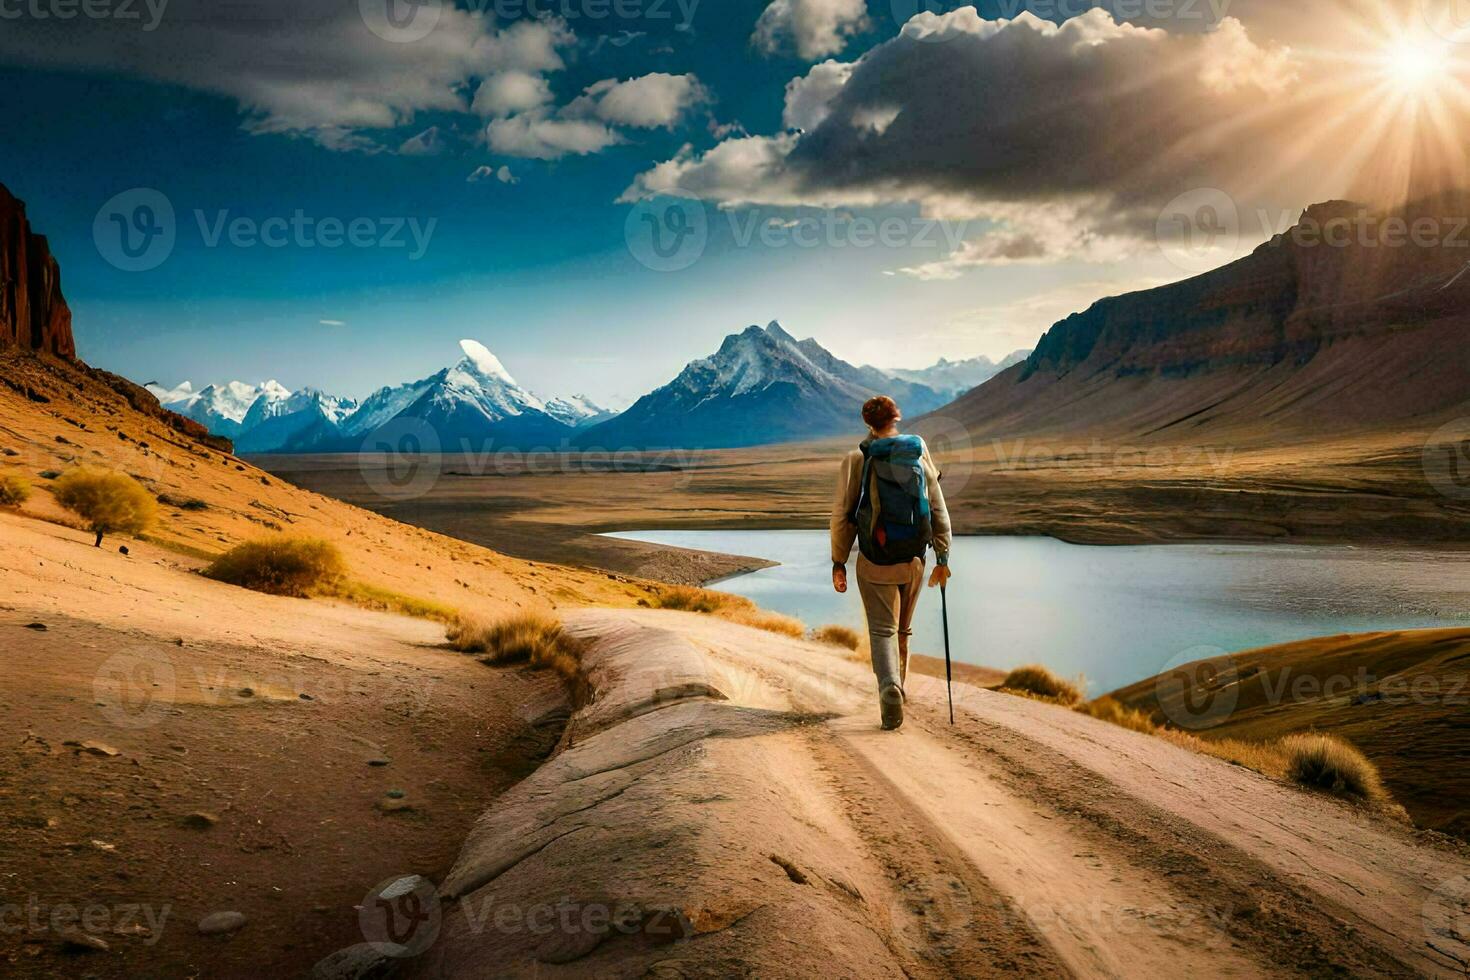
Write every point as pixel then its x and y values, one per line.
pixel 1121 614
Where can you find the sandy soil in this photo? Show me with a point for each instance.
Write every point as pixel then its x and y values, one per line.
pixel 154 694
pixel 738 811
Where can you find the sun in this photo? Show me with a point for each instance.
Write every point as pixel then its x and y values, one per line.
pixel 1415 66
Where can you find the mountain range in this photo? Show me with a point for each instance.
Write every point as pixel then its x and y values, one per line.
pixel 763 385
pixel 1312 333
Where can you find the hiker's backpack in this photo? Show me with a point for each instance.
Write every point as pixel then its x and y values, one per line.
pixel 892 513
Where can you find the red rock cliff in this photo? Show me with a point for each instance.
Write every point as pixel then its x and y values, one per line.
pixel 33 313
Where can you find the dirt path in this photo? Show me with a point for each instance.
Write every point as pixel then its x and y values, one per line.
pixel 1025 839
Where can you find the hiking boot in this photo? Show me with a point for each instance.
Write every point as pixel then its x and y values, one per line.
pixel 891 700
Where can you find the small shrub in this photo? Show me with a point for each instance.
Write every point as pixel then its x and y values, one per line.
pixel 838 636
pixel 683 598
pixel 14 490
pixel 1327 763
pixel 528 638
pixel 1115 713
pixel 297 567
pixel 109 502
pixel 736 609
pixel 1042 683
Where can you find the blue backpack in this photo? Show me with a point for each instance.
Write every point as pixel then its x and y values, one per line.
pixel 892 513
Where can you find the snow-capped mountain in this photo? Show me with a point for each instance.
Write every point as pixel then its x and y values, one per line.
pixel 301 421
pixel 220 408
pixel 763 386
pixel 955 378
pixel 477 403
pixel 578 411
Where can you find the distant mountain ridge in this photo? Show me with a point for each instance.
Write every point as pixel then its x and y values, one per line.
pixel 1303 336
pixel 762 386
pixel 956 378
pixel 469 405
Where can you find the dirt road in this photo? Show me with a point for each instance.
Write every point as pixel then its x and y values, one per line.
pixel 739 779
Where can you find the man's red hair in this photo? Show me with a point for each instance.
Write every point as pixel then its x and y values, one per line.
pixel 880 413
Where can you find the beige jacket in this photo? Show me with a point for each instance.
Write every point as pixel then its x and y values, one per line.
pixel 849 488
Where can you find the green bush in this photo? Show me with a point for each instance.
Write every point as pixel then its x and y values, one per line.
pixel 297 567
pixel 110 503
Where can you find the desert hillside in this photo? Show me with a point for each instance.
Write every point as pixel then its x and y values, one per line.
pixel 1402 698
pixel 1303 337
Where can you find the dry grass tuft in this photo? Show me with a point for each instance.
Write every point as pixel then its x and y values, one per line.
pixel 527 638
pixel 110 503
pixel 386 600
pixel 1042 683
pixel 838 636
pixel 736 609
pixel 1327 763
pixel 297 567
pixel 14 490
pixel 1115 713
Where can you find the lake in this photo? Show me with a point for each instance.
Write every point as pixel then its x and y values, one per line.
pixel 1116 614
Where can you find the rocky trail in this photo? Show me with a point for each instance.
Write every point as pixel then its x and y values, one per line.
pixel 726 805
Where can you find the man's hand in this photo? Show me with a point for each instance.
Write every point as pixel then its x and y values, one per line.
pixel 940 576
pixel 839 578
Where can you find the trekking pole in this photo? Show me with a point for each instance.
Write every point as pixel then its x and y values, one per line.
pixel 948 670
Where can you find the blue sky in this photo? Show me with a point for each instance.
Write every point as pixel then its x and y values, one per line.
pixel 302 113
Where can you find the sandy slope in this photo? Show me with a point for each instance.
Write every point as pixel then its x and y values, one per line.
pixel 734 783
pixel 286 720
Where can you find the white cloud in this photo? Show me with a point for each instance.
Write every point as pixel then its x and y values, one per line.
pixel 654 100
pixel 508 92
pixel 503 175
pixel 809 98
pixel 538 137
pixel 506 177
pixel 333 323
pixel 1050 133
pixel 815 28
pixel 297 67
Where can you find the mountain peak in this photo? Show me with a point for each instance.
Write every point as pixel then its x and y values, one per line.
pixel 775 329
pixel 485 362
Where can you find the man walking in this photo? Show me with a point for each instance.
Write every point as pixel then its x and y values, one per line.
pixel 889 501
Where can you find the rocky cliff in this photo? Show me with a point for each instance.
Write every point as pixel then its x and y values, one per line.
pixel 1349 319
pixel 33 314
